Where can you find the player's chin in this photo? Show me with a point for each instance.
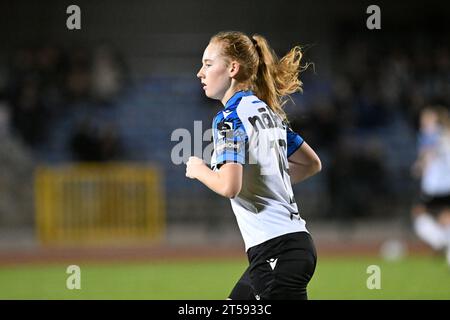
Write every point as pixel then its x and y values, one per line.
pixel 208 94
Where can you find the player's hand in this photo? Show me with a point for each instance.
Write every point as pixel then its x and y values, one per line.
pixel 193 167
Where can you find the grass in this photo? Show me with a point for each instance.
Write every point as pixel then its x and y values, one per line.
pixel 335 278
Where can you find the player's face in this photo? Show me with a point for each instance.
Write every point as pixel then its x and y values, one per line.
pixel 214 73
pixel 428 120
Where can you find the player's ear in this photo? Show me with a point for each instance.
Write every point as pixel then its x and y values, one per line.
pixel 233 68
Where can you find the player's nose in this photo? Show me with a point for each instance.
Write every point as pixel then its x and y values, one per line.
pixel 200 74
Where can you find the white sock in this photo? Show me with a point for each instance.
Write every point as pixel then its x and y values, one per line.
pixel 430 231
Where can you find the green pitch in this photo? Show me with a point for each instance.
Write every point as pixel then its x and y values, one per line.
pixel 335 278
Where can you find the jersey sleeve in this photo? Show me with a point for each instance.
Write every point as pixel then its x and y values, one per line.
pixel 230 140
pixel 427 140
pixel 294 141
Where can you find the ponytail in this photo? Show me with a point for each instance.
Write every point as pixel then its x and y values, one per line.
pixel 276 78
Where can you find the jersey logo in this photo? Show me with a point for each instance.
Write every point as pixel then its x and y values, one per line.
pixel 272 262
pixel 224 129
pixel 226 113
pixel 296 214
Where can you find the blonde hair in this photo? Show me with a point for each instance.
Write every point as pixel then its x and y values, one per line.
pixel 272 79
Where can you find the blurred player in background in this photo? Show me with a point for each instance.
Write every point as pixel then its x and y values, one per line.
pixel 432 215
pixel 256 158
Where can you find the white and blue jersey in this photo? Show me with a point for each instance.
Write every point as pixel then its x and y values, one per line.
pixel 436 173
pixel 248 132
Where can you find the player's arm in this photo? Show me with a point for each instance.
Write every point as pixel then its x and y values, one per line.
pixel 227 181
pixel 303 163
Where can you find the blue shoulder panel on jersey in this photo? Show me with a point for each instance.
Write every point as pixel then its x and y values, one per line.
pixel 428 140
pixel 294 141
pixel 229 132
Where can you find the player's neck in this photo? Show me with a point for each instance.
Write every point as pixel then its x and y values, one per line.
pixel 231 91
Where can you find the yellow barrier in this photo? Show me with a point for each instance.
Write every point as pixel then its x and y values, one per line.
pixel 99 204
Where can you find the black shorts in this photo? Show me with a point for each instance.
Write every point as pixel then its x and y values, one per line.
pixel 280 268
pixel 435 204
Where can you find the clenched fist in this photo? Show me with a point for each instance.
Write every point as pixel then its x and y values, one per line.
pixel 193 167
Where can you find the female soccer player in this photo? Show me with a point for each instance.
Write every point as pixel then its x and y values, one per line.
pixel 256 158
pixel 431 216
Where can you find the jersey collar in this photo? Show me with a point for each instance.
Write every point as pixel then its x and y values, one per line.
pixel 236 96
